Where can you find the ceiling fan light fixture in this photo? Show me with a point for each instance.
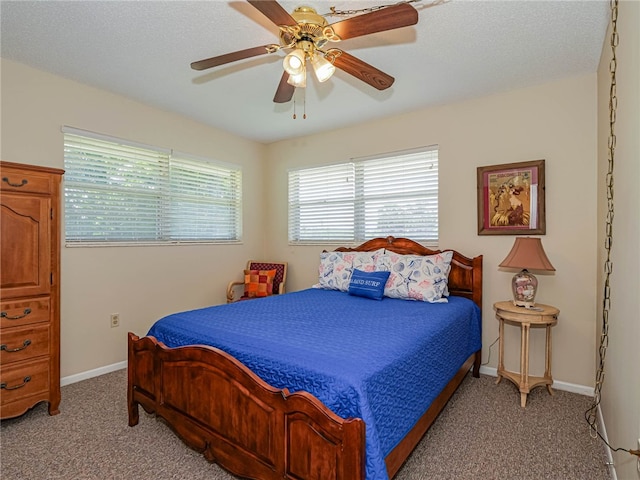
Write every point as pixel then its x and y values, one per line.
pixel 299 80
pixel 294 63
pixel 304 33
pixel 322 67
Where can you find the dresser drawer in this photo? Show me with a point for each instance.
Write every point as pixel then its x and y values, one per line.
pixel 23 343
pixel 17 180
pixel 24 312
pixel 24 379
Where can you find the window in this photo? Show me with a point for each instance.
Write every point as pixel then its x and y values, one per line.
pixel 120 193
pixel 392 194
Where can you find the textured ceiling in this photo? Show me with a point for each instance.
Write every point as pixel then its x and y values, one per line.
pixel 459 49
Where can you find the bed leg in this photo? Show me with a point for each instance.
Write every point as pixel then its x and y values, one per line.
pixel 132 405
pixel 476 364
pixel 134 415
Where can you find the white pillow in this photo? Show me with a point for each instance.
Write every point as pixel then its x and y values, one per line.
pixel 417 277
pixel 334 271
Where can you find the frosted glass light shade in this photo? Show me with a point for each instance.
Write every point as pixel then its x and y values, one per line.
pixel 322 68
pixel 294 62
pixel 299 80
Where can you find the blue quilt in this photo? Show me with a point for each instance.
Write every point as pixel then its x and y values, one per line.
pixel 382 361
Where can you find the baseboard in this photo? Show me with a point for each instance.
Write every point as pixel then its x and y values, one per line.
pixel 78 377
pixel 567 387
pixel 491 371
pixel 603 432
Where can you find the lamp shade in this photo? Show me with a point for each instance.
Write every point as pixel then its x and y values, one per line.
pixel 294 62
pixel 299 80
pixel 322 68
pixel 527 253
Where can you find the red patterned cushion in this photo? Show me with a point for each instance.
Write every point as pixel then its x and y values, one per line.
pixel 258 283
pixel 277 280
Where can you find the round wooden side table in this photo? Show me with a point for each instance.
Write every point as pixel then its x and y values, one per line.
pixel 538 316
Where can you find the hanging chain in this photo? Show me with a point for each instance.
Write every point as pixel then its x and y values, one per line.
pixel 608 265
pixel 344 13
pixel 590 414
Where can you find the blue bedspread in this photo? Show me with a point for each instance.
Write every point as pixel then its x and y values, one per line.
pixel 382 361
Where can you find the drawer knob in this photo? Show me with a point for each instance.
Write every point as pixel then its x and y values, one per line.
pixel 25 344
pixel 26 312
pixel 24 182
pixel 3 385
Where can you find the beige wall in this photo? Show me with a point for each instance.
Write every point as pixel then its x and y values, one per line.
pixel 140 283
pixel 555 122
pixel 621 389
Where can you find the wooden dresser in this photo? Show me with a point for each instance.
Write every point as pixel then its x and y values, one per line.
pixel 29 288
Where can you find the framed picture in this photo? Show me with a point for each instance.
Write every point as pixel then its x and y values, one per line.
pixel 511 199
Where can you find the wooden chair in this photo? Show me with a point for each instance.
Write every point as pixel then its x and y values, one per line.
pixel 278 281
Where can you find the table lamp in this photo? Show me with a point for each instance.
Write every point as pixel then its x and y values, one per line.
pixel 526 253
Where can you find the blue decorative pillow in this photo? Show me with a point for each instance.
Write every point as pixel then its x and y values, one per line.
pixel 368 284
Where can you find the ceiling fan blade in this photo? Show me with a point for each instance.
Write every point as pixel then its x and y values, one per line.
pixel 229 57
pixel 362 70
pixel 389 18
pixel 284 93
pixel 274 12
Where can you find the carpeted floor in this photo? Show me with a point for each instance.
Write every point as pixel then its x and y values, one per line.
pixel 483 433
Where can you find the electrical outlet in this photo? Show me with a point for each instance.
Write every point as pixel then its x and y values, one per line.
pixel 115 320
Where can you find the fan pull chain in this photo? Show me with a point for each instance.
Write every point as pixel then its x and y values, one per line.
pixel 304 105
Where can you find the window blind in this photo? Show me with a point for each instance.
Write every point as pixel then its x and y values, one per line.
pixel 121 193
pixel 321 204
pixel 393 194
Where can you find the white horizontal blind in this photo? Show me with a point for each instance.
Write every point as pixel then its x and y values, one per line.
pixel 321 204
pixel 399 196
pixel 119 193
pixel 206 201
pixel 394 194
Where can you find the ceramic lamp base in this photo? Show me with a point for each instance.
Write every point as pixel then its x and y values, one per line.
pixel 524 286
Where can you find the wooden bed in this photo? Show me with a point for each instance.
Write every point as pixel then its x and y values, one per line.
pixel 253 429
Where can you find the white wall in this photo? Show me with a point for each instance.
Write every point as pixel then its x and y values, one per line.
pixel 621 389
pixel 555 122
pixel 140 283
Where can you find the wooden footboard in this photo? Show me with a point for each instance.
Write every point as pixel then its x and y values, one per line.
pixel 222 409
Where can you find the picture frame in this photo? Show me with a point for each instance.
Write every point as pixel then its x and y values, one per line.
pixel 511 199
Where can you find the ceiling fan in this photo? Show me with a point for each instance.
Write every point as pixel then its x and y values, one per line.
pixel 307 33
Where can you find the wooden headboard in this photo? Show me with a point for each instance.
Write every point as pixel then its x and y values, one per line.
pixel 465 277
